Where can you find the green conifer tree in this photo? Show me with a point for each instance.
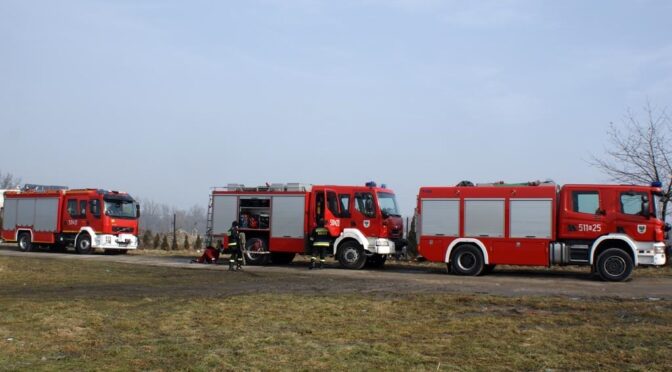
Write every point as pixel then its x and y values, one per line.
pixel 173 244
pixel 147 239
pixel 164 243
pixel 157 241
pixel 185 245
pixel 199 243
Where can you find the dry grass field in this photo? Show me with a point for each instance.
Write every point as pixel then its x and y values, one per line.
pixel 78 315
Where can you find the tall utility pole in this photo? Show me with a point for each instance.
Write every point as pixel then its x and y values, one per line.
pixel 174 231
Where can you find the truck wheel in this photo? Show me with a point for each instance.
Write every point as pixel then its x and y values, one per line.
pixel 25 243
pixel 83 245
pixel 467 260
pixel 376 261
pixel 351 256
pixel 282 258
pixel 614 265
pixel 256 245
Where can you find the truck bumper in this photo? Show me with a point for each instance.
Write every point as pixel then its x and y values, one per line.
pixel 123 241
pixel 381 246
pixel 651 254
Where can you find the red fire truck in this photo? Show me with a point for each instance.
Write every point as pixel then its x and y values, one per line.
pixel 277 220
pixel 473 228
pixel 57 217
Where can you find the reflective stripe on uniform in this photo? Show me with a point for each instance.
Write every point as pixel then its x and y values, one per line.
pixel 233 244
pixel 321 244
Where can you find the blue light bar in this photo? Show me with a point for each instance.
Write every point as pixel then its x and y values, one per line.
pixel 656 184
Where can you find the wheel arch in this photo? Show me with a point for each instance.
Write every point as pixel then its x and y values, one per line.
pixel 86 230
pixel 462 241
pixel 24 230
pixel 613 241
pixel 344 241
pixel 350 235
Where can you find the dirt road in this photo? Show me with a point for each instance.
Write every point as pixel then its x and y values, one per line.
pixel 394 278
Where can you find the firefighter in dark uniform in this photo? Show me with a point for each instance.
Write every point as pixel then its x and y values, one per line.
pixel 234 246
pixel 320 242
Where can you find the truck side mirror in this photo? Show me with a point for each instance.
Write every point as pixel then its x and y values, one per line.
pixel 646 212
pixel 137 210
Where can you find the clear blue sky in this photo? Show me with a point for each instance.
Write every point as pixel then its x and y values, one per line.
pixel 164 99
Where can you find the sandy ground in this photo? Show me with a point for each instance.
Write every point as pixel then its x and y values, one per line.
pixel 394 278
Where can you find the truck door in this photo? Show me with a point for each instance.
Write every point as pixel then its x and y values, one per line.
pixel 95 221
pixel 325 206
pixel 364 214
pixel 632 216
pixel 75 216
pixel 584 214
pixel 345 205
pixel 332 216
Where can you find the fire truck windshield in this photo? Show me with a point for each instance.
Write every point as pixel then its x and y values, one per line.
pixel 120 208
pixel 388 204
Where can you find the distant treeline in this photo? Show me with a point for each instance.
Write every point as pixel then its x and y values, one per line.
pixel 165 241
pixel 158 217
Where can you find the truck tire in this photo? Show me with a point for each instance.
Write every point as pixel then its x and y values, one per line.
pixel 614 265
pixel 256 245
pixel 351 256
pixel 467 260
pixel 24 242
pixel 376 261
pixel 279 258
pixel 83 244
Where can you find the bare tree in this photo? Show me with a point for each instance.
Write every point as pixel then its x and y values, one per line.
pixel 8 181
pixel 640 151
pixel 159 217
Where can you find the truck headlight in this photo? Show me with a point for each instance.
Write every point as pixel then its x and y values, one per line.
pixel 659 249
pixel 382 243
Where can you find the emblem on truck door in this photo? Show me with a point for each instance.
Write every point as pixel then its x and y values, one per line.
pixel 641 229
pixel 366 223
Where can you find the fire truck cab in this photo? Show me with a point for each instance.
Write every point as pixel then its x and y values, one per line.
pixel 57 217
pixel 278 219
pixel 611 228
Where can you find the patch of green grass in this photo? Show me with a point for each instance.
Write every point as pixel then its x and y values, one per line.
pixel 170 322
